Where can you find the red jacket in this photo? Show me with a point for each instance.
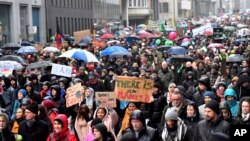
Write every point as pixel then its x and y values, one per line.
pixel 64 134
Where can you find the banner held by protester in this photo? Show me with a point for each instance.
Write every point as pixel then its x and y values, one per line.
pixel 134 89
pixel 61 70
pixel 106 99
pixel 74 95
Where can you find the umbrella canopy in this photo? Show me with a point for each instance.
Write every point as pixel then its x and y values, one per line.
pixel 181 58
pixel 107 36
pixel 163 47
pixel 51 49
pixel 215 45
pixel 239 41
pixel 229 28
pixel 40 64
pixel 141 26
pixel 177 50
pixel 234 58
pixel 86 40
pixel 80 54
pixel 26 43
pixel 112 49
pixel 11 46
pixel 121 54
pixel 113 41
pixel 27 49
pixel 132 38
pixel 14 58
pixel 10 64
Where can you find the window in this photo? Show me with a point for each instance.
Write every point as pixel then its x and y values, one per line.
pixel 61 25
pixel 139 3
pixel 24 21
pixel 130 3
pixel 164 7
pixel 76 27
pixel 69 31
pixel 134 3
pixel 72 24
pixel 64 25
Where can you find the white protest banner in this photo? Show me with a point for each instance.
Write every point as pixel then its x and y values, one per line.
pixel 74 95
pixel 6 69
pixel 106 99
pixel 61 70
pixel 202 29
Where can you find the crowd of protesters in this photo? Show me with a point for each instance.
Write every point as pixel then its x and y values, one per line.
pixel 192 100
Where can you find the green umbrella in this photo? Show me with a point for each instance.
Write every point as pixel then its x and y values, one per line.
pixel 168 42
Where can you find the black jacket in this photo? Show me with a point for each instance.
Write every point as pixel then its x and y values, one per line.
pixel 39 131
pixel 7 135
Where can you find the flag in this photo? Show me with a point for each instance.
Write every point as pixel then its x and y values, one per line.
pixel 163 28
pixel 58 37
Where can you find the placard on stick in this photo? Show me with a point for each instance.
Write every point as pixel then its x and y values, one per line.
pixel 134 89
pixel 74 95
pixel 106 99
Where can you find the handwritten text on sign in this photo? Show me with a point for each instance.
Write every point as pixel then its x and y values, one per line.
pixel 134 89
pixel 61 70
pixel 106 99
pixel 74 95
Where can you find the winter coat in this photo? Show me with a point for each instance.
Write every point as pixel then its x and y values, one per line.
pixel 15 125
pixel 234 104
pixel 205 128
pixel 198 97
pixel 64 134
pixel 181 134
pixel 39 131
pixel 7 99
pixel 239 119
pixel 81 127
pixel 166 76
pixel 146 134
pixel 7 135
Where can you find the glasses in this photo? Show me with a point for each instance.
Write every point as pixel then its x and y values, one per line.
pixel 176 99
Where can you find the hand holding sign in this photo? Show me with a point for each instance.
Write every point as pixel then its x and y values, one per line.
pixel 74 95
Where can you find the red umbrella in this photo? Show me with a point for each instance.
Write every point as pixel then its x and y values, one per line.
pixel 145 35
pixel 215 45
pixel 107 36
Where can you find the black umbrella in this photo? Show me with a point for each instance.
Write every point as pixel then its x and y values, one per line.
pixel 181 58
pixel 40 64
pixel 14 58
pixel 11 46
pixel 163 47
pixel 26 43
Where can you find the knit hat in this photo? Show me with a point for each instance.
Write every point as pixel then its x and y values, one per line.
pixel 95 121
pixel 213 105
pixel 102 128
pixel 23 91
pixel 137 115
pixel 33 107
pixel 171 114
pixel 49 104
pixel 210 94
pixel 204 81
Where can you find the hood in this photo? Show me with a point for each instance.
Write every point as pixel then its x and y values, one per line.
pixel 58 91
pixel 106 109
pixel 61 118
pixel 230 92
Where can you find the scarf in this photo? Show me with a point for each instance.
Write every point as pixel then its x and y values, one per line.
pixel 30 122
pixel 245 116
pixel 125 120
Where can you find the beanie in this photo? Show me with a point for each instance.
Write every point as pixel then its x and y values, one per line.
pixel 210 94
pixel 33 107
pixel 213 105
pixel 171 114
pixel 49 104
pixel 102 128
pixel 23 91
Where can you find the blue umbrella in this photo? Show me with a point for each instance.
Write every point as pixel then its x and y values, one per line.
pixel 86 40
pixel 111 49
pixel 80 54
pixel 239 41
pixel 177 50
pixel 27 49
pixel 185 44
pixel 121 54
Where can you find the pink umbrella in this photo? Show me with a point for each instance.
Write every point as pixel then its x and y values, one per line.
pixel 215 45
pixel 107 36
pixel 185 40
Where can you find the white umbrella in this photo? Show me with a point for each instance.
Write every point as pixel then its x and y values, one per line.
pixel 51 49
pixel 80 54
pixel 113 41
pixel 10 65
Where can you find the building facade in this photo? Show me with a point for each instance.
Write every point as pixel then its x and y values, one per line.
pixel 22 19
pixel 106 10
pixel 70 15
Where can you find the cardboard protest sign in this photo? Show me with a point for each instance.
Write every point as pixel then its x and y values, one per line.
pixel 61 70
pixel 202 29
pixel 74 95
pixel 78 35
pixel 106 99
pixel 134 89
